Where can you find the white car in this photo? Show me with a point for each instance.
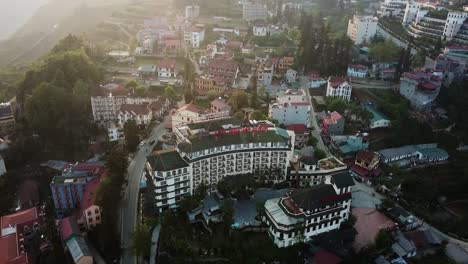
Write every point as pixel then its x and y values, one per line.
pixel 142 143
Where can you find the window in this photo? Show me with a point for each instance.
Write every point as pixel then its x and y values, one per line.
pixel 89 213
pixel 96 211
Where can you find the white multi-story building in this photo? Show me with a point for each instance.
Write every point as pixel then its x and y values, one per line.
pixel 304 213
pixel 115 133
pixel 194 36
pixel 393 8
pixel 140 113
pixel 339 87
pixel 421 22
pixel 362 28
pixel 208 157
pixel 108 99
pixel 421 88
pixel 254 11
pixel 291 107
pixel 260 30
pixel 192 12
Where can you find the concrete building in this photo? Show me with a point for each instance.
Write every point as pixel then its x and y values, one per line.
pixel 7 119
pixel 366 165
pixel 220 105
pixel 304 213
pixel 194 36
pixel 207 157
pixel 229 70
pixel 260 30
pixel 291 107
pixel 291 76
pixel 421 88
pixel 339 87
pixel 378 119
pixel 362 28
pixel 191 113
pixel 349 145
pixel 358 71
pixel 167 68
pixel 301 132
pixel 394 8
pixel 192 12
pixel 205 84
pixel 423 22
pixel 254 11
pixel 265 71
pixel 140 113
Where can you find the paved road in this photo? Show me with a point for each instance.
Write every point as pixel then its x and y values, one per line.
pixel 313 120
pixel 154 243
pixel 128 211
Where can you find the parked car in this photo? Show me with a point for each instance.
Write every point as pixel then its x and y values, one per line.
pixel 152 142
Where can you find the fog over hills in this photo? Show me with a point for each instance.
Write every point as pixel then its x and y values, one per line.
pixel 14 14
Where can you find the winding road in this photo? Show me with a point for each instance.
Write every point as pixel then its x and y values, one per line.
pixel 128 211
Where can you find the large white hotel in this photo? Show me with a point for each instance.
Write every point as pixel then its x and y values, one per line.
pixel 227 149
pixel 210 151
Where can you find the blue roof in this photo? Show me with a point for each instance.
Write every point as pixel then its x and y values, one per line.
pixel 377 116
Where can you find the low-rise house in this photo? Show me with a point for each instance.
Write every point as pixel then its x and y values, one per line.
pixel 147 71
pixel 291 107
pixel 210 209
pixel 167 68
pixel 420 88
pixel 291 76
pixel 339 87
pixel 403 247
pixel 73 241
pixel 115 133
pixel 357 70
pixel 304 213
pixel 266 71
pixel 378 119
pixel 348 146
pixel 333 124
pixel 247 48
pixel 411 155
pixel 220 105
pixel 316 81
pixel 191 113
pixel 7 119
pixel 140 113
pixel 405 220
pixel 285 63
pixel 194 36
pixel 425 241
pixel 388 74
pixel 366 164
pixel 302 134
pixel 260 30
pixel 234 45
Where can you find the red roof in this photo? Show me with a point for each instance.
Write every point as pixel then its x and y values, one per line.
pixel 365 155
pixel 197 29
pixel 363 172
pixel 411 76
pixel 300 103
pixel 9 253
pixel 171 42
pixel 457 47
pixel 220 103
pixel 88 195
pixel 192 108
pixel 430 86
pixel 299 129
pixel 336 81
pixel 167 64
pixel 19 218
pixel 138 109
pixel 325 257
pixel 335 115
pixel 68 227
pixel 357 66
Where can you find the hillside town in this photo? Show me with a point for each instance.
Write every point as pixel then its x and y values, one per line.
pixel 256 131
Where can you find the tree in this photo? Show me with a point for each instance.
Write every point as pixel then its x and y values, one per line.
pixel 387 203
pixel 239 100
pixel 319 154
pixel 141 241
pixel 384 52
pixel 312 141
pixel 170 93
pixel 132 84
pixel 383 240
pixel 212 95
pixel 132 139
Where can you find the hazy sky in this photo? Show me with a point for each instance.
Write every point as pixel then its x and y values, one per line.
pixel 14 13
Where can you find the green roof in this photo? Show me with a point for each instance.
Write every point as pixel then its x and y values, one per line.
pixel 376 115
pixel 433 153
pixel 166 160
pixel 215 124
pixel 343 180
pixel 212 141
